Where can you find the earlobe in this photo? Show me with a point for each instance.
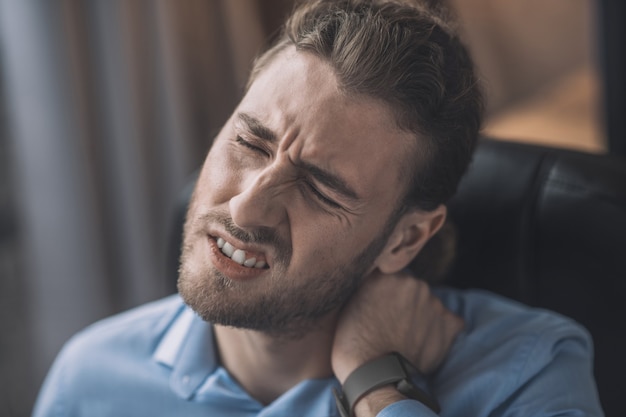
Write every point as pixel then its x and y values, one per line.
pixel 409 237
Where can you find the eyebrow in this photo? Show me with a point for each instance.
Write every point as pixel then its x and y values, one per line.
pixel 257 128
pixel 327 178
pixel 330 180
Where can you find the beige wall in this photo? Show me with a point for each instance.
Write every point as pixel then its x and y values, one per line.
pixel 522 45
pixel 538 62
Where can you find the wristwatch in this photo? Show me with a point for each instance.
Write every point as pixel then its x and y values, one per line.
pixel 392 368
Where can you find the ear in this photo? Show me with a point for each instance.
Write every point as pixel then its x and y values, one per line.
pixel 409 237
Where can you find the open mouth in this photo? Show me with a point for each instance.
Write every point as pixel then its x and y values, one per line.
pixel 241 257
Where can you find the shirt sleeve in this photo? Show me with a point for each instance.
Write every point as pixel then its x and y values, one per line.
pixel 562 384
pixel 406 408
pixel 50 398
pixel 555 378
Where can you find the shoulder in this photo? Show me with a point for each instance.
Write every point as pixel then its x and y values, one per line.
pixel 511 353
pixel 106 358
pixel 137 329
pixel 486 313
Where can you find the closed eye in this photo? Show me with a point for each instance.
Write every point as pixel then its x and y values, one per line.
pixel 318 195
pixel 321 197
pixel 250 146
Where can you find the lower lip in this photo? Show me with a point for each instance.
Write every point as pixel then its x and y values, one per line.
pixel 230 268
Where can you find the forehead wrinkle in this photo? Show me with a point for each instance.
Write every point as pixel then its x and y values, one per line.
pixel 324 91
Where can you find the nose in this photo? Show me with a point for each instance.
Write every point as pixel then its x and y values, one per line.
pixel 261 203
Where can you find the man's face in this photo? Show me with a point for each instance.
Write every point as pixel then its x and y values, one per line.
pixel 299 186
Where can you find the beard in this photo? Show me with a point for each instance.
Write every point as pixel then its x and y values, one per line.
pixel 284 307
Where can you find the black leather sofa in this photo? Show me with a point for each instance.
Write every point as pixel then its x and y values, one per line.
pixel 548 227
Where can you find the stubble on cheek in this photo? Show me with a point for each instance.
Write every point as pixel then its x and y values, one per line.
pixel 281 302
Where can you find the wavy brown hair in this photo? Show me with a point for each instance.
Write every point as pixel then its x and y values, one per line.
pixel 408 55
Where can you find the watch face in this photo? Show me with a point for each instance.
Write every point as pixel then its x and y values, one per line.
pixel 388 369
pixel 374 374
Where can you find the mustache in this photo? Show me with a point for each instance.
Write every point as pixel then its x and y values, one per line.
pixel 260 235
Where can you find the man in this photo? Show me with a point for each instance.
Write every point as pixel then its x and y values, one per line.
pixel 326 182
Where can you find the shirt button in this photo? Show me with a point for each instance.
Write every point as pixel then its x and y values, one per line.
pixel 186 379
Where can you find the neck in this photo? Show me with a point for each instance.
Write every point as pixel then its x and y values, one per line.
pixel 267 366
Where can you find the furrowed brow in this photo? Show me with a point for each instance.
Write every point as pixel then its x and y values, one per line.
pixel 257 128
pixel 330 180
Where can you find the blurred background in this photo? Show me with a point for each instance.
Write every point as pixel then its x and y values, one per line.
pixel 107 107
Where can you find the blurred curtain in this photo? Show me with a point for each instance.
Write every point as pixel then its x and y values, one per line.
pixel 109 106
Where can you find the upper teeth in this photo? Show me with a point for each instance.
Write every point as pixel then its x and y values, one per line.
pixel 238 255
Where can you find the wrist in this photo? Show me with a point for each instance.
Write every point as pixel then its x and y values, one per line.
pixel 380 378
pixel 374 401
pixel 346 367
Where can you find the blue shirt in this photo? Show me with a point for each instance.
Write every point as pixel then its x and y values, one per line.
pixel 159 360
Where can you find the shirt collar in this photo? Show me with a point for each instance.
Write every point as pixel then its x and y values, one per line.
pixel 187 347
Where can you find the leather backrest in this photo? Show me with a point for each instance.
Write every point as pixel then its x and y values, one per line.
pixel 548 227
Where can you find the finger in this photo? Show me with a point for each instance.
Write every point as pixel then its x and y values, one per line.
pixel 441 336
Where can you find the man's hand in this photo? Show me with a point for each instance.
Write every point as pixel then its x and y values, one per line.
pixel 393 313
